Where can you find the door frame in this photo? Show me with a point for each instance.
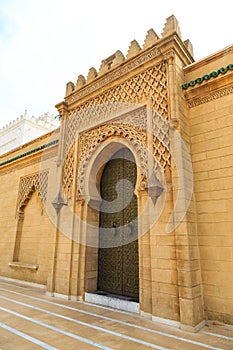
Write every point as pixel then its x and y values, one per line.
pixel 90 213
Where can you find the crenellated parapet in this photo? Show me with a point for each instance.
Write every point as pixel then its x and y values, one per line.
pixel 24 129
pixel 12 123
pixel 46 121
pixel 117 59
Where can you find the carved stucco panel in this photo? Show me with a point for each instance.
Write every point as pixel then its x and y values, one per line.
pixel 92 139
pixel 150 84
pixel 37 181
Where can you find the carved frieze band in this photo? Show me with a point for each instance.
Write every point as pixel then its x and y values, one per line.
pixel 146 57
pixel 212 96
pixel 37 181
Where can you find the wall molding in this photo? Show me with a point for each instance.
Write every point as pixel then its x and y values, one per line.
pixel 210 97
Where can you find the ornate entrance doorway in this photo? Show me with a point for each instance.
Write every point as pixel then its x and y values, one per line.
pixel 118 268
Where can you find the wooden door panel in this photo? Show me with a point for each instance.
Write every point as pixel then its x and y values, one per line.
pixel 118 233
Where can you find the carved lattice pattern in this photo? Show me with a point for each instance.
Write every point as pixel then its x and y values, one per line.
pixel 68 170
pixel 132 126
pixel 161 143
pixel 151 83
pixel 37 181
pixel 91 139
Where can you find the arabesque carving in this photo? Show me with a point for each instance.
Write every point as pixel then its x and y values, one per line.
pixel 150 84
pixel 37 181
pixel 132 128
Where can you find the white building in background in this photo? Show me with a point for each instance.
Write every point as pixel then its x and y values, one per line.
pixel 25 129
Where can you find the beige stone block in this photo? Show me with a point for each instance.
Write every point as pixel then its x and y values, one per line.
pixel 166 288
pixel 214 206
pixel 197 157
pixel 146 262
pixel 224 114
pixel 169 264
pixel 165 306
pixel 225 153
pixel 191 311
pixel 163 240
pixel 205 146
pixel 88 266
pixel 216 265
pixel 187 252
pixel 215 304
pixel 213 253
pixel 204 127
pixel 226 291
pixel 189 278
pixel 202 114
pixel 216 241
pixel 62 286
pixel 164 252
pixel 146 273
pixel 222 194
pixel 220 132
pixel 165 276
pixel 208 165
pixel 186 240
pixel 63 265
pixel 190 293
pixel 145 304
pixel 211 290
pixel 212 218
pixel 90 285
pixel 223 278
pixel 188 265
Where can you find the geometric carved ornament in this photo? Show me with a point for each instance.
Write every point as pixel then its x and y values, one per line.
pixel 150 84
pixel 28 184
pixel 131 127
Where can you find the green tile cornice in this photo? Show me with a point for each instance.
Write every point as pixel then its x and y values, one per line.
pixel 37 149
pixel 206 77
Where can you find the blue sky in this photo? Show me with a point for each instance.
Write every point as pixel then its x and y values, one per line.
pixel 44 44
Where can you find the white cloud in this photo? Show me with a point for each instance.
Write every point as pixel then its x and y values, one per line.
pixel 44 44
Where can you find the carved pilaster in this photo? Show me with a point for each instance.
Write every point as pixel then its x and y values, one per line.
pixel 62 108
pixel 169 55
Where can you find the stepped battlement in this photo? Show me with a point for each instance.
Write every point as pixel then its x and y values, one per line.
pixel 171 27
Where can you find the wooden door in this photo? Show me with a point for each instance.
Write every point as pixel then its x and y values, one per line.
pixel 118 233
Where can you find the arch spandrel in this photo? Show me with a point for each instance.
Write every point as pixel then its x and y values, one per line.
pixel 89 187
pixel 134 129
pixel 28 185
